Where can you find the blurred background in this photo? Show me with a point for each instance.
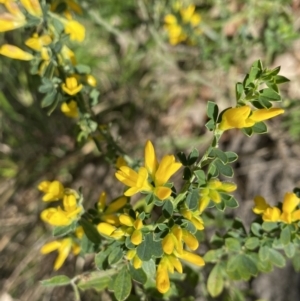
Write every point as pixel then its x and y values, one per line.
pixel 153 85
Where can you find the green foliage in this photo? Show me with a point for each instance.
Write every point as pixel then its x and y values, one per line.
pixel 138 248
pixel 60 280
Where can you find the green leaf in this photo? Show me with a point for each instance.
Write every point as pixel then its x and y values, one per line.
pixel 269 94
pixel 167 209
pixel 232 244
pixel 94 96
pixel 58 25
pixel 247 131
pixel 276 258
pixel 150 268
pixel 138 275
pixel 212 110
pixel 260 128
pixel 239 90
pixel 83 69
pixel 210 125
pixel 187 173
pixel 231 157
pixel 182 158
pixel 193 156
pixel 269 226
pixel 212 172
pixel 296 261
pixel 247 267
pixel 101 258
pixel 285 236
pixel 258 64
pixel 90 231
pixel 217 153
pixel 289 250
pixel 274 71
pixel 60 280
pixel 63 230
pixel 232 263
pixel 225 170
pixel 115 256
pixel 215 281
pixel 221 206
pixel 48 99
pixel 122 284
pixel 212 255
pixel 86 246
pixel 255 229
pixel 192 199
pixel 254 74
pixel 265 103
pixel 46 87
pixel 263 253
pixel 200 174
pixel 149 248
pixel 239 226
pixel 231 202
pixel 279 79
pixel 252 243
pixel 96 280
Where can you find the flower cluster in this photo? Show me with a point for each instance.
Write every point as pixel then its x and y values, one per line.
pixel 287 214
pixel 173 251
pixel 64 246
pixel 181 23
pixel 60 216
pixel 212 192
pixel 47 56
pixel 152 177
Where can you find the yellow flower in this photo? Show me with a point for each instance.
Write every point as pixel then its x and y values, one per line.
pixel 14 9
pixel 71 86
pixel 271 214
pixel 37 43
pixel 14 52
pixel 75 30
pixel 63 247
pixel 264 114
pixel 192 258
pixel 33 7
pixel 159 173
pixel 53 190
pixel 106 229
pixel 59 217
pixel 193 217
pixel 70 109
pixel 134 228
pixel 190 16
pixel 211 192
pixel 260 205
pixel 172 241
pixel 138 182
pixel 120 162
pixel 91 80
pixel 108 212
pixel 10 22
pixel 133 257
pixel 240 117
pixel 162 278
pixel 289 214
pixel 175 31
pixel 67 54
